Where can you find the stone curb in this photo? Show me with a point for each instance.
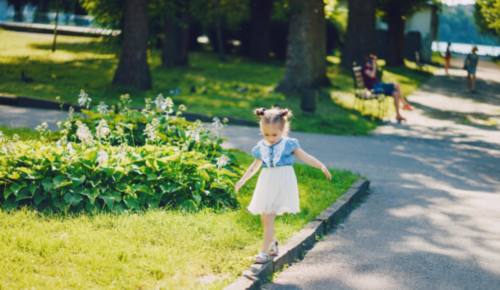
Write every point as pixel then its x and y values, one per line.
pixel 299 243
pixel 28 102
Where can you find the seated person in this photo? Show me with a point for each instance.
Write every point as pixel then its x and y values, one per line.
pixel 378 87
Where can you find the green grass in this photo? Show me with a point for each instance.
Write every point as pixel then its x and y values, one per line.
pixel 167 249
pixel 89 63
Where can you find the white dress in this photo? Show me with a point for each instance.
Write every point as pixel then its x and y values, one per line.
pixel 276 190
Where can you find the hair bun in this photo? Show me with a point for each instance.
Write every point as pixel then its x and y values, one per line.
pixel 260 111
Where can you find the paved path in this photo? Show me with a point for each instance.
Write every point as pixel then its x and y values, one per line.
pixel 432 220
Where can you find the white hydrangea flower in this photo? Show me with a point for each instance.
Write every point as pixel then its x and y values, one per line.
pixel 63 140
pixel 182 108
pixel 102 108
pixel 194 134
pixel 125 98
pixel 119 130
pixel 217 126
pixel 102 157
pixel 160 103
pixel 1 136
pixel 170 104
pixel 150 130
pixel 71 111
pixel 122 153
pixel 102 129
pixel 83 133
pixel 42 128
pixel 70 149
pixel 222 161
pixel 83 99
pixel 15 137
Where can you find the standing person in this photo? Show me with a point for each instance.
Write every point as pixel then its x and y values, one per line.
pixel 470 65
pixel 276 191
pixel 447 58
pixel 388 89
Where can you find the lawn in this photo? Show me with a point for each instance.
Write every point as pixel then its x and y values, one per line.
pixel 207 86
pixel 148 250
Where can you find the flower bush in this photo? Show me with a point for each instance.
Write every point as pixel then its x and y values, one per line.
pixel 119 159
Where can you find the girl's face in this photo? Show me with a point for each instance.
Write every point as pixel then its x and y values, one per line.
pixel 272 132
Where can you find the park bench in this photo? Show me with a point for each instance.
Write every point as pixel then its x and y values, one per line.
pixel 363 94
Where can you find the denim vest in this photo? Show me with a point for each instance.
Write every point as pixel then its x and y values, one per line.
pixel 278 154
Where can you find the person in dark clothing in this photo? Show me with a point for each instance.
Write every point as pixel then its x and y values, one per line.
pixel 388 89
pixel 447 58
pixel 470 65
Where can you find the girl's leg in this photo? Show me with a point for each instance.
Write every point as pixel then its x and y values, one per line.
pixel 446 65
pixel 473 82
pixel 469 81
pixel 268 225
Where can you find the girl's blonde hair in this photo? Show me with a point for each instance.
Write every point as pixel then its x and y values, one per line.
pixel 275 115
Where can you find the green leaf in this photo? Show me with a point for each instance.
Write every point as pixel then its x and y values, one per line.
pixel 61 181
pixel 72 198
pixel 77 181
pixel 47 184
pixel 39 197
pixel 131 202
pixel 24 194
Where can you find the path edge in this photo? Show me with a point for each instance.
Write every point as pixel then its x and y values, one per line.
pixel 296 247
pixel 29 102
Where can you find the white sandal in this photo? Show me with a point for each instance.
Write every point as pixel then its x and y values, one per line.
pixel 273 249
pixel 262 258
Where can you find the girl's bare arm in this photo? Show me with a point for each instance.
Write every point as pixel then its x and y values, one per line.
pixel 312 161
pixel 252 169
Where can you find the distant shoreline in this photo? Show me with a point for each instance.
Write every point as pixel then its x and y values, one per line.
pixel 464 48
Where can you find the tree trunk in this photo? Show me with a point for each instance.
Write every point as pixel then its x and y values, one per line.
pixel 305 69
pixel 18 11
pixel 41 12
pixel 360 32
pixel 218 31
pixel 54 40
pixel 396 31
pixel 260 25
pixel 176 42
pixel 133 69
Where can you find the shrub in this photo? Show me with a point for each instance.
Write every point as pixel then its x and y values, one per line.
pixel 156 159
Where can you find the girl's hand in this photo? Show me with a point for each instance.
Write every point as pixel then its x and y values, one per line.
pixel 238 185
pixel 326 172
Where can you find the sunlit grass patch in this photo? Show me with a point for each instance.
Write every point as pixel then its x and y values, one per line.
pixel 169 249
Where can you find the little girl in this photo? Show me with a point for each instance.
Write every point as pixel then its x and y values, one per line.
pixel 276 191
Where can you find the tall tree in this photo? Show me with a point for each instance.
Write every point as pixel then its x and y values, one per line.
pixel 41 11
pixel 360 36
pixel 170 24
pixel 395 13
pixel 487 16
pixel 133 69
pixel 305 68
pixel 18 8
pixel 260 22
